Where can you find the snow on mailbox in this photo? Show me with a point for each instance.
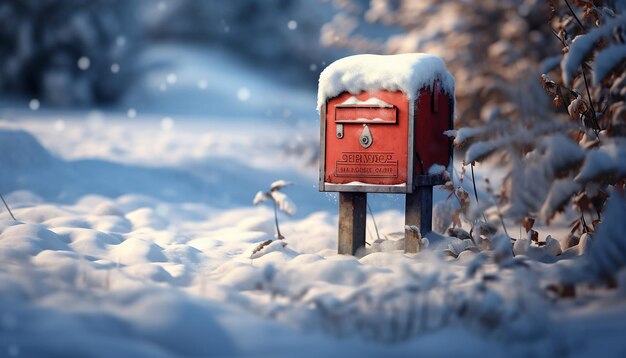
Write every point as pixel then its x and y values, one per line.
pixel 382 131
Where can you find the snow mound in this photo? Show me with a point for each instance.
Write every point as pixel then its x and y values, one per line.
pixel 243 278
pixel 26 240
pixel 107 209
pixel 147 217
pixel 137 251
pixel 406 72
pixel 88 242
pixel 20 150
pixel 338 270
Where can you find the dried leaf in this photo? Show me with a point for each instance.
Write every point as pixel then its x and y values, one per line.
pixel 284 203
pixel 260 197
pixel 457 246
pixel 279 184
pixel 576 226
pixel 261 246
pixel 459 233
pixel 577 107
pixel 456 219
pixel 528 223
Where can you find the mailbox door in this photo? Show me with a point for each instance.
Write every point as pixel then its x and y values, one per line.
pixel 433 116
pixel 366 142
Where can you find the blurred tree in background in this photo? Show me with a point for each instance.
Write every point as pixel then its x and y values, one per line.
pixel 70 52
pixel 269 33
pixel 81 52
pixel 493 48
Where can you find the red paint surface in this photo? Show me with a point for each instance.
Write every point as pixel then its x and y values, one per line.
pixel 431 145
pixel 385 161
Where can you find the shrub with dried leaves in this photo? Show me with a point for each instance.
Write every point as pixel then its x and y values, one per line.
pixel 572 159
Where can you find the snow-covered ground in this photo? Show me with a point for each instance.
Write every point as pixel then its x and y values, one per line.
pixel 134 238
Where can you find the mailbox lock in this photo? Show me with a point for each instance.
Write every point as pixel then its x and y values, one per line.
pixel 366 139
pixel 339 131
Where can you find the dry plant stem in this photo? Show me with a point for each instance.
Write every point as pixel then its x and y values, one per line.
pixel 585 65
pixel 280 237
pixel 596 130
pixel 502 221
pixel 584 222
pixel 495 201
pixel 374 221
pixel 7 206
pixel 582 27
pixel 559 37
pixel 475 191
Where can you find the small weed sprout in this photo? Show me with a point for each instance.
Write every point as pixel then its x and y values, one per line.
pixel 280 200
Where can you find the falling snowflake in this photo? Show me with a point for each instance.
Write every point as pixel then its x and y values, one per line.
pixel 84 63
pixel 34 104
pixel 243 94
pixel 171 78
pixel 59 125
pixel 167 124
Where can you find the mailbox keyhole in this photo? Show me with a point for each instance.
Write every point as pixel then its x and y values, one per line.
pixel 366 139
pixel 339 131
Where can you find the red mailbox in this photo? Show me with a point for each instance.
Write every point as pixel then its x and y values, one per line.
pixel 379 141
pixel 383 120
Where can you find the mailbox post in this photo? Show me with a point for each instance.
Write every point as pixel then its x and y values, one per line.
pixel 382 130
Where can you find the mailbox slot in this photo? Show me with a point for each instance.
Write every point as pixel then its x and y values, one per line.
pixel 368 114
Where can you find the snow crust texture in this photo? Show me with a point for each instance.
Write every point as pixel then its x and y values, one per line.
pixel 407 73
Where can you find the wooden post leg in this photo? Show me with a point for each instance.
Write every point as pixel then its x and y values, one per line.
pixel 352 215
pixel 418 212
